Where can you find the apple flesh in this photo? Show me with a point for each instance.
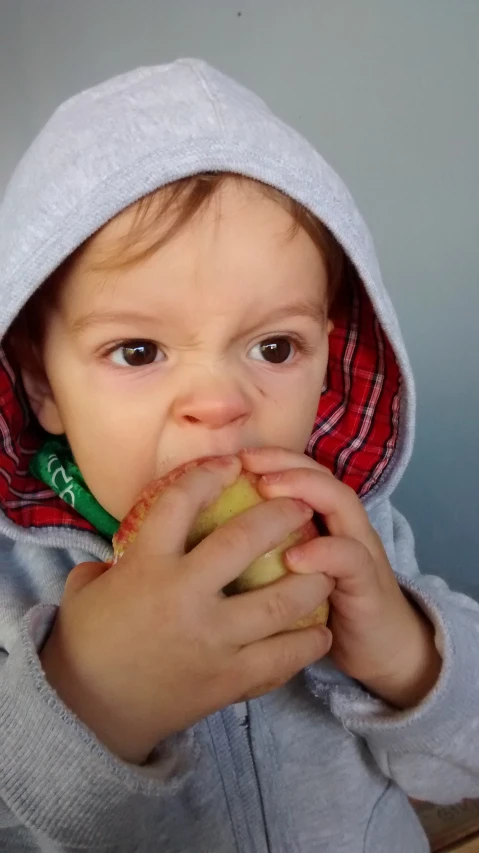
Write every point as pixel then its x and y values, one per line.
pixel 234 500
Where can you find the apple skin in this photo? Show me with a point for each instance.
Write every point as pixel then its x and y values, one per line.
pixel 234 500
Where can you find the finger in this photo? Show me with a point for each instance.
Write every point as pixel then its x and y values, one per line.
pixel 171 517
pixel 261 460
pixel 271 663
pixel 82 575
pixel 345 561
pixel 260 613
pixel 338 504
pixel 223 555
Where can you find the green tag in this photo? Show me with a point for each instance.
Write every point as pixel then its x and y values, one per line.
pixel 55 466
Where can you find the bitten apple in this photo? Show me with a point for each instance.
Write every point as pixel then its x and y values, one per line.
pixel 235 499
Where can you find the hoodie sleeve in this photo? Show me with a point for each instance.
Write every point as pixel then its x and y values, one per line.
pixel 58 783
pixel 431 751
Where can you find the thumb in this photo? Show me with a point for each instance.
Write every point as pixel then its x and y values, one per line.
pixel 82 575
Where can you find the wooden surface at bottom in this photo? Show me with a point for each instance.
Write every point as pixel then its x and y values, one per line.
pixel 449 827
pixel 471 846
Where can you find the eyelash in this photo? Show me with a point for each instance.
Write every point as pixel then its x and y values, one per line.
pixel 301 345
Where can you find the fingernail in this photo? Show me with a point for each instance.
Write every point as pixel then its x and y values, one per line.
pixel 304 507
pixel 327 636
pixel 274 477
pixel 294 555
pixel 222 461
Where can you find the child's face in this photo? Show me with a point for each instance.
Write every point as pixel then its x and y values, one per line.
pixel 166 361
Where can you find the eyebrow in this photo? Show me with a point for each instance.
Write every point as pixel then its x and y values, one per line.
pixel 314 309
pixel 108 318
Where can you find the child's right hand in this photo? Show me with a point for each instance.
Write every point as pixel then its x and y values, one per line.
pixel 151 646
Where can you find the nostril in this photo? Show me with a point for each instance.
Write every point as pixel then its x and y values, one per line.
pixel 215 417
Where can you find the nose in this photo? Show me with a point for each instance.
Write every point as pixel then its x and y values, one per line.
pixel 215 405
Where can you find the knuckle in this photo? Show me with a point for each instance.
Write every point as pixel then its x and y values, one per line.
pixel 278 609
pixel 328 587
pixel 362 556
pixel 210 486
pixel 285 512
pixel 236 534
pixel 311 644
pixel 329 545
pixel 289 660
pixel 317 590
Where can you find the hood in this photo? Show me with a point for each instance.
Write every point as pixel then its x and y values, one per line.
pixel 110 145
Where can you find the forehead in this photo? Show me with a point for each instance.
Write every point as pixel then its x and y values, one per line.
pixel 241 247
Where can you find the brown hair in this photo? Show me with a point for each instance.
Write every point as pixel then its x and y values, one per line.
pixel 176 203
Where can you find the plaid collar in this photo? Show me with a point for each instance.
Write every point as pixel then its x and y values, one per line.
pixel 354 435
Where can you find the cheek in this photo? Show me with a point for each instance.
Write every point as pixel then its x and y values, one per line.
pixel 292 417
pixel 115 445
pixel 115 465
pixel 311 391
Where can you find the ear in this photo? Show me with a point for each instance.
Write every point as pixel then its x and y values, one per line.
pixel 42 401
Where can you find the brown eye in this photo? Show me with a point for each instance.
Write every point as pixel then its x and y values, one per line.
pixel 275 350
pixel 135 354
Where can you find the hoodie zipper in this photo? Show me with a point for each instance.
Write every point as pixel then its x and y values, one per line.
pixel 231 743
pixel 245 725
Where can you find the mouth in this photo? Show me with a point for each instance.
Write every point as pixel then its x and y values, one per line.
pixel 171 465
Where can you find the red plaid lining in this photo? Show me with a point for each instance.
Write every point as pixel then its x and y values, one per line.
pixel 357 424
pixel 355 431
pixel 24 499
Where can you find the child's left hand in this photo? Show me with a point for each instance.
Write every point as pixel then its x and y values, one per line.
pixel 379 637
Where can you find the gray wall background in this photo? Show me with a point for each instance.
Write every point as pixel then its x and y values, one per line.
pixel 388 92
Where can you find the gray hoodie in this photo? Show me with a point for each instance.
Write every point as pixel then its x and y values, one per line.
pixel 320 765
